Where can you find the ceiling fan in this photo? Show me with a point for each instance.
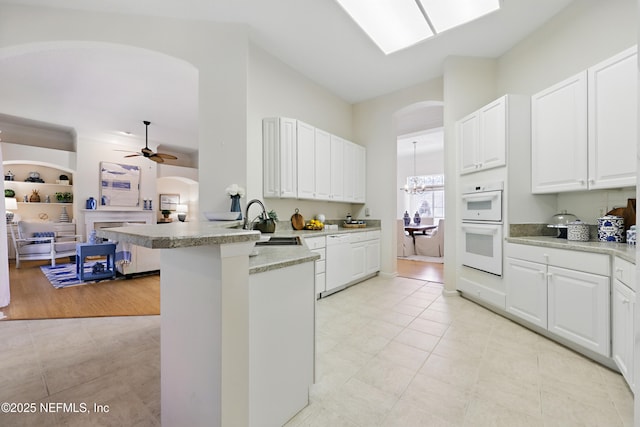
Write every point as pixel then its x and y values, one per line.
pixel 148 153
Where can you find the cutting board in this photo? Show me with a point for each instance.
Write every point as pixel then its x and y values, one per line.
pixel 297 221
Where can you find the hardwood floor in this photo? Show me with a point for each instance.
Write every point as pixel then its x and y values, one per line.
pixel 33 297
pixel 430 271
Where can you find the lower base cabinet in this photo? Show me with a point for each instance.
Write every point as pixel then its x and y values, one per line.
pixel 570 303
pixel 623 311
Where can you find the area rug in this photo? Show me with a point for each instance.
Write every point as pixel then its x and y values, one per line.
pixel 423 258
pixel 64 275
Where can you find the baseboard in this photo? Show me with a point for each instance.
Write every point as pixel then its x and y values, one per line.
pixel 447 293
pixel 388 275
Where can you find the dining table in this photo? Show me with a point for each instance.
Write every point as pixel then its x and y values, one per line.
pixel 417 228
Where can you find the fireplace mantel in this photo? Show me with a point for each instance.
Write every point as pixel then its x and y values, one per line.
pixel 93 216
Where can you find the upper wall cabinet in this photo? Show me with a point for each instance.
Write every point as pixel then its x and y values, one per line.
pixel 584 129
pixel 304 162
pixel 482 137
pixel 279 147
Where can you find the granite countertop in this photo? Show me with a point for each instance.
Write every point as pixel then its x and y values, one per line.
pixel 622 250
pixel 187 234
pixel 178 234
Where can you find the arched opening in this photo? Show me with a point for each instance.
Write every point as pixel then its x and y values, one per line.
pixel 421 196
pixel 101 92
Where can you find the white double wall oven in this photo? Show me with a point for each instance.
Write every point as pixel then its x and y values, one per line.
pixel 482 227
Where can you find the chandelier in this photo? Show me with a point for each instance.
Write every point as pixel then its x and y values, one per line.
pixel 414 185
pixel 420 184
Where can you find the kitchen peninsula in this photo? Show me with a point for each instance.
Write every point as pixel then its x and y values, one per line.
pixel 229 329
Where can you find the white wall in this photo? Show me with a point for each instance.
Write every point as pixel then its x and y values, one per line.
pixel 374 127
pixel 276 90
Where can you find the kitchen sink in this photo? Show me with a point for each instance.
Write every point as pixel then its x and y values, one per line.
pixel 280 241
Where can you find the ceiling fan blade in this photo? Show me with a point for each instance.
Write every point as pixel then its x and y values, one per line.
pixel 134 155
pixel 156 158
pixel 166 156
pixel 127 151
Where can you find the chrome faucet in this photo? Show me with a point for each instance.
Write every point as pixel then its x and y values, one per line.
pixel 263 215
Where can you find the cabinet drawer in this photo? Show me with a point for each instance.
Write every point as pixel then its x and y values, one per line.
pixel 320 266
pixel 625 272
pixel 576 260
pixel 358 237
pixel 373 235
pixel 315 242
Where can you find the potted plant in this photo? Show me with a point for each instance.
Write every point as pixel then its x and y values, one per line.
pixel 165 213
pixel 267 225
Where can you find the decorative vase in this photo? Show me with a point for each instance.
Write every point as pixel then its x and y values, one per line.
pixel 235 205
pixel 406 218
pixel 416 218
pixel 35 197
pixel 64 216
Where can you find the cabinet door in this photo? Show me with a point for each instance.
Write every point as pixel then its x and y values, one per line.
pixel 322 165
pixel 527 290
pixel 306 161
pixel 373 256
pixel 623 307
pixel 579 308
pixel 358 260
pixel 360 175
pixel 288 158
pixel 337 169
pixel 613 112
pixel 271 157
pixel 559 137
pixel 468 134
pixel 348 171
pixel 492 142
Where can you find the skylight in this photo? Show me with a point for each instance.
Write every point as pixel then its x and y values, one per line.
pixel 397 24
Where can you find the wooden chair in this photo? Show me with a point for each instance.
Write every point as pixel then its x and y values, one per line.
pixel 39 240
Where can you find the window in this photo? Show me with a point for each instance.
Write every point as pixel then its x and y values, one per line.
pixel 427 197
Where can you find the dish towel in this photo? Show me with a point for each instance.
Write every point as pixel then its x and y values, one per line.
pixel 123 253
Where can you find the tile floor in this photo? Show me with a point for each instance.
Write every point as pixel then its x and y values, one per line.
pixel 391 352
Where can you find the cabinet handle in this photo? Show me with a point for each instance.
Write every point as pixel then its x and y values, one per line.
pixel 549 275
pixel 542 273
pixel 619 273
pixel 625 301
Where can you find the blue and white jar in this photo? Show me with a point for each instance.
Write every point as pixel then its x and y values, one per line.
pixel 611 229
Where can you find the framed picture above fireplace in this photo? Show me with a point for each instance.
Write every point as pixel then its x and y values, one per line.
pixel 169 202
pixel 119 185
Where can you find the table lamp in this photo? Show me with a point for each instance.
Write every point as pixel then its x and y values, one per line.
pixel 10 204
pixel 182 212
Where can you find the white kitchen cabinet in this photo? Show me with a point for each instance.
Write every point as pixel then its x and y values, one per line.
pixel 279 148
pixel 337 169
pixel 559 137
pixel 613 112
pixel 578 308
pixel 360 175
pixel 527 290
pixel 583 129
pixel 483 137
pixel 565 292
pixel 318 245
pixel 373 252
pixel 339 269
pixel 306 161
pixel 623 302
pixel 300 161
pixel 358 260
pixel 322 165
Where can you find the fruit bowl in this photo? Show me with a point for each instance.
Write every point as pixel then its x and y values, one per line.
pixel 314 224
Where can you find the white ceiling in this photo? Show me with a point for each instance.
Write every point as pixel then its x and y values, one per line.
pixel 102 92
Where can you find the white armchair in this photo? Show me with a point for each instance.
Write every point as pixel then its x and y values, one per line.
pixel 405 242
pixel 38 241
pixel 433 244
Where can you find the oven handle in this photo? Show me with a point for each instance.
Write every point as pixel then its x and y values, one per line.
pixel 480 230
pixel 480 197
